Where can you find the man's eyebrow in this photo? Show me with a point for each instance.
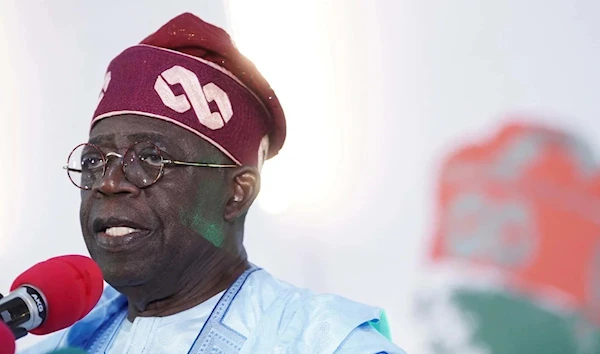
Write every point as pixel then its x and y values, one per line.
pixel 102 139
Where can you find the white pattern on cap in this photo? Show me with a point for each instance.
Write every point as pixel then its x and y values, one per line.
pixel 263 149
pixel 107 77
pixel 195 94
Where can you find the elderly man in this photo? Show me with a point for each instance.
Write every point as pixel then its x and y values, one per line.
pixel 172 165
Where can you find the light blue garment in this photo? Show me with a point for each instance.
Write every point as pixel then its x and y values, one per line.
pixel 162 335
pixel 257 314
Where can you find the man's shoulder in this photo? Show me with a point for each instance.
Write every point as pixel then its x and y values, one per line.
pixel 110 302
pixel 292 316
pixel 267 286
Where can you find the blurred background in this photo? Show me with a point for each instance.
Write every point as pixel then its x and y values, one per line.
pixel 451 180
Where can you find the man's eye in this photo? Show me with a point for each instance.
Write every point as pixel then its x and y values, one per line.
pixel 91 162
pixel 151 157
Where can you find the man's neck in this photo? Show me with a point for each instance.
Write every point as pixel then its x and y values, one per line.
pixel 192 291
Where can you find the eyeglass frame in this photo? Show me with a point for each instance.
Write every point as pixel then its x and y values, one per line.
pixel 165 163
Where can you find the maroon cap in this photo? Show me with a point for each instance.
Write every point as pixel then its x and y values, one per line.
pixel 190 73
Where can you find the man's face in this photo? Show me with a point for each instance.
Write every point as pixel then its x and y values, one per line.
pixel 177 220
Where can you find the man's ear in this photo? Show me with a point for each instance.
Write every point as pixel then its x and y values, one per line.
pixel 245 185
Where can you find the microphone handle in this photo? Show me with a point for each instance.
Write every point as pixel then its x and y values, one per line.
pixel 23 309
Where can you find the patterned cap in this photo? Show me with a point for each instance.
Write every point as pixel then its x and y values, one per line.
pixel 190 73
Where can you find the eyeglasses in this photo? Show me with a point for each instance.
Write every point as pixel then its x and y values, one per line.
pixel 143 164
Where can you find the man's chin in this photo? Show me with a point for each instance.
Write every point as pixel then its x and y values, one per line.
pixel 119 275
pixel 120 279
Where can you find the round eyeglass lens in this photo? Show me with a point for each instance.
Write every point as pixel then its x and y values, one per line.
pixel 85 165
pixel 143 164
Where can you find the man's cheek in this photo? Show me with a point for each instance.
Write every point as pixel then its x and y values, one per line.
pixel 203 224
pixel 84 212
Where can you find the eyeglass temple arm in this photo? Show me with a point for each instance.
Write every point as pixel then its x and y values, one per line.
pixel 71 169
pixel 197 164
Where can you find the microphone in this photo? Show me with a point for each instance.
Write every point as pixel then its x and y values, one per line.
pixel 52 295
pixel 7 340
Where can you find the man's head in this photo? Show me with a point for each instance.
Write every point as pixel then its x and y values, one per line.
pixel 187 214
pixel 190 93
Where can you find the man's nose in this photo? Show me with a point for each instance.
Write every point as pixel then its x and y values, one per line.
pixel 114 181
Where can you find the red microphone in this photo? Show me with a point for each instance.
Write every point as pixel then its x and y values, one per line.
pixel 52 295
pixel 7 340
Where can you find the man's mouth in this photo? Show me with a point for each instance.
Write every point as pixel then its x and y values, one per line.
pixel 118 231
pixel 119 235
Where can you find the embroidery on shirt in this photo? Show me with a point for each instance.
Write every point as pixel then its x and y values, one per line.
pixel 215 337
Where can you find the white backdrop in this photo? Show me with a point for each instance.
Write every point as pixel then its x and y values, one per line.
pixel 375 93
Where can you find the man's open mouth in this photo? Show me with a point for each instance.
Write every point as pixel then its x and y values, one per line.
pixel 119 234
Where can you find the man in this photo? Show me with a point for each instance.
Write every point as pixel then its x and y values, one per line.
pixel 172 165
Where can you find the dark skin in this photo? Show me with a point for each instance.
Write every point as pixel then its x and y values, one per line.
pixel 175 267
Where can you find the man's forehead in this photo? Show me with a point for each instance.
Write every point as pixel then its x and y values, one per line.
pixel 136 128
pixel 133 137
